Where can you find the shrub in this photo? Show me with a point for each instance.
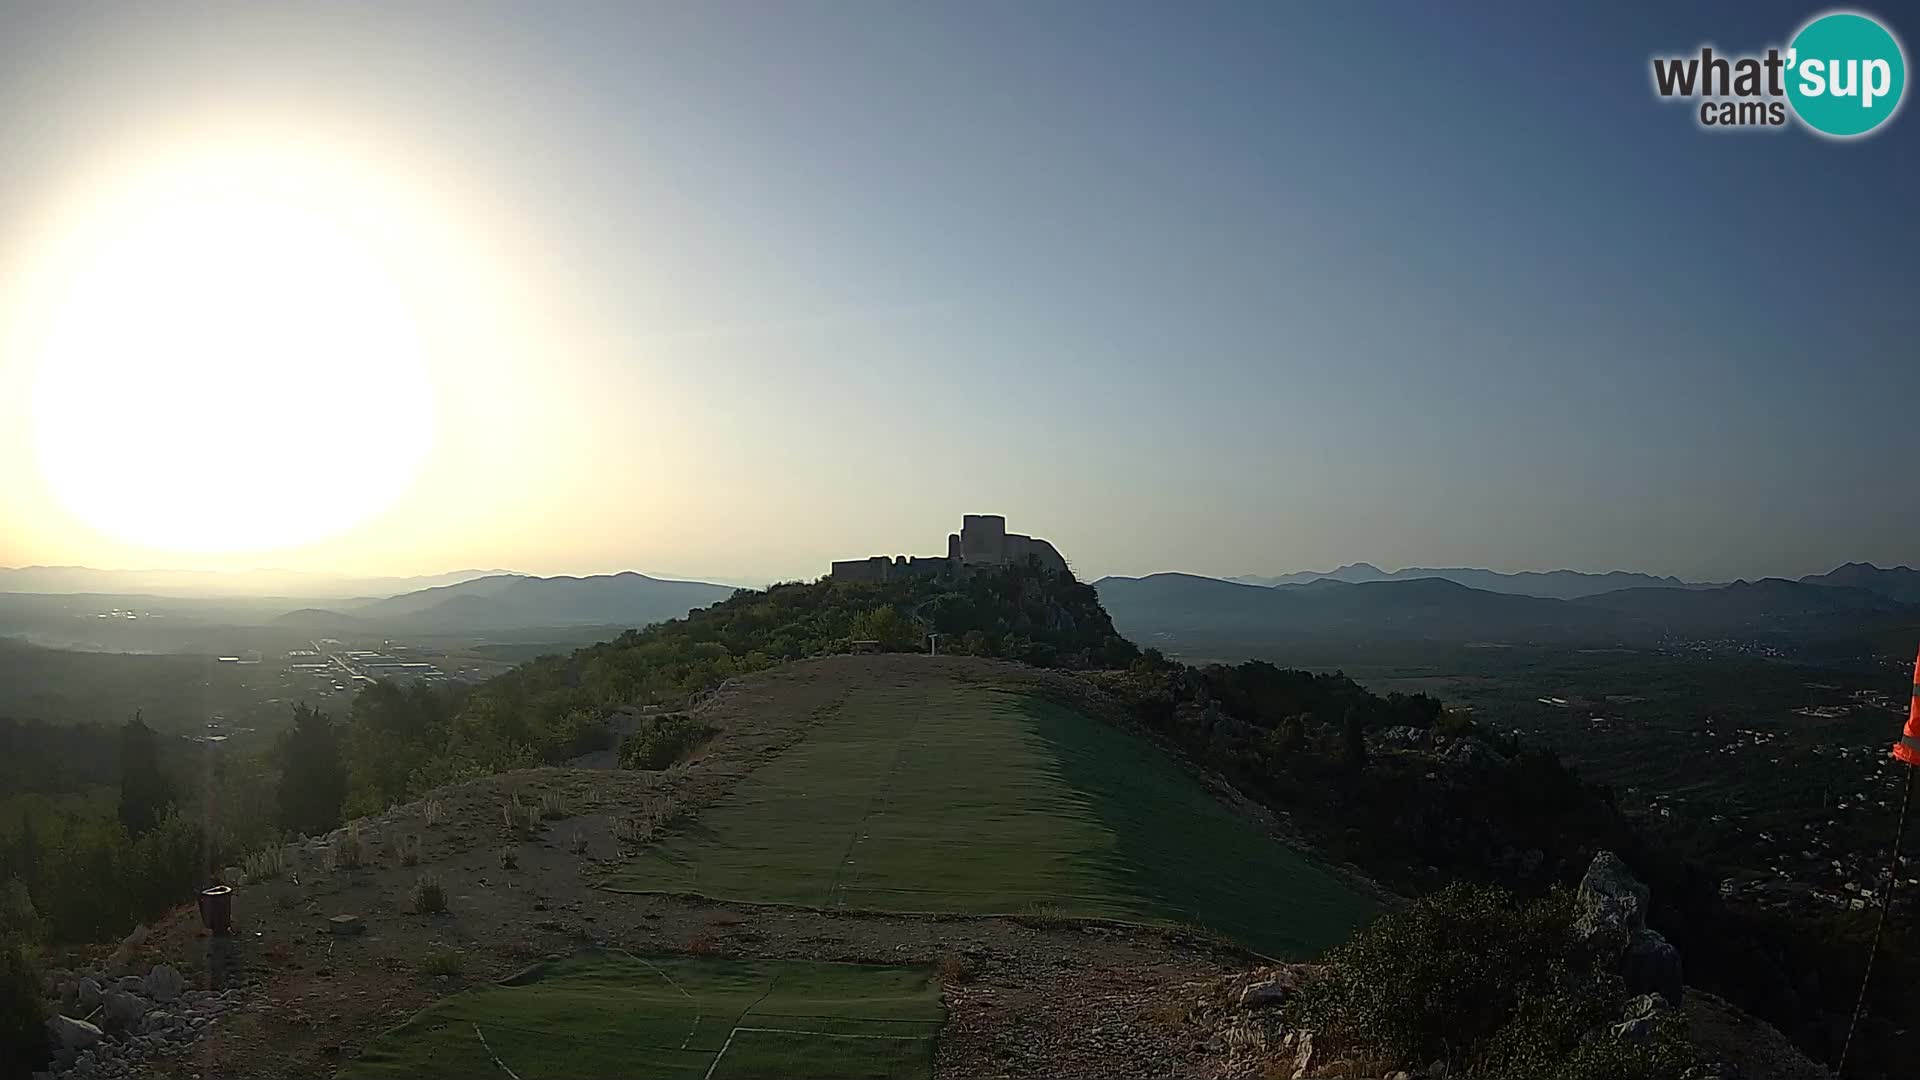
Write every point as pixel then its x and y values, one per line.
pixel 1468 977
pixel 509 859
pixel 1455 722
pixel 409 851
pixel 429 895
pixel 23 1033
pixel 553 806
pixel 577 843
pixel 19 921
pixel 954 969
pixel 449 962
pixel 434 813
pixel 265 865
pixel 348 853
pixel 663 740
pixel 522 819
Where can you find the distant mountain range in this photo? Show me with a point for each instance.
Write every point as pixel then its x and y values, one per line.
pixel 1554 584
pixel 1440 608
pixel 510 601
pixel 449 603
pixel 220 583
pixel 1900 583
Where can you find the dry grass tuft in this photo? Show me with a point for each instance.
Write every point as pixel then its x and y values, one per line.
pixel 449 962
pixel 429 895
pixel 347 853
pixel 265 865
pixel 954 969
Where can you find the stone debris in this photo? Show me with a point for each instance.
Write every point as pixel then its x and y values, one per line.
pixel 123 1030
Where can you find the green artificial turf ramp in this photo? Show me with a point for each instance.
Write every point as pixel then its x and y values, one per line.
pixel 619 1017
pixel 983 801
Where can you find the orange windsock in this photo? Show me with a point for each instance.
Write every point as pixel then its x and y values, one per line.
pixel 1908 748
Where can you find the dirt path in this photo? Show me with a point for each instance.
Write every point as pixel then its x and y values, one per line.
pixel 1027 999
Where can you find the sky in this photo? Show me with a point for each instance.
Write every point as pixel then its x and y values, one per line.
pixel 730 290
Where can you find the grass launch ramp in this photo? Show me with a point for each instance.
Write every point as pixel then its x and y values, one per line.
pixel 986 801
pixel 673 1018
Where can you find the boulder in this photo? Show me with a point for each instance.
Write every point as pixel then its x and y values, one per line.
pixel 86 993
pixel 124 1010
pixel 1652 965
pixel 1263 995
pixel 1611 913
pixel 70 1036
pixel 345 924
pixel 1407 737
pixel 1474 753
pixel 1609 898
pixel 165 984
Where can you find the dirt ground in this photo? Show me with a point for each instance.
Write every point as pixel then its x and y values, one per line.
pixel 1027 998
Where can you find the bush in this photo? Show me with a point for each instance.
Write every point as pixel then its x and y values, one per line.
pixel 23 1032
pixel 348 853
pixel 19 921
pixel 448 962
pixel 429 895
pixel 1493 988
pixel 663 740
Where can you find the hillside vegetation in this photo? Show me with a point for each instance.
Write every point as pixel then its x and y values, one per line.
pixel 403 742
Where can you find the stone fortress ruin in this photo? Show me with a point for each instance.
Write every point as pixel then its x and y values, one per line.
pixel 983 543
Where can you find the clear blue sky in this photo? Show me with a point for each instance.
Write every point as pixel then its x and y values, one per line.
pixel 1221 287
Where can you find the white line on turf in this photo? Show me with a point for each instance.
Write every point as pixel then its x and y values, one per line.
pixel 691 1031
pixel 496 1058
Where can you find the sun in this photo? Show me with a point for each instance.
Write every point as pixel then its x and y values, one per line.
pixel 227 369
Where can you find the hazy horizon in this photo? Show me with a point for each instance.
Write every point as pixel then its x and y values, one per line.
pixel 753 582
pixel 728 292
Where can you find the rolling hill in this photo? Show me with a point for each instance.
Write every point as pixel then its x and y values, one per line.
pixel 1173 604
pixel 1771 602
pixel 504 602
pixel 1208 610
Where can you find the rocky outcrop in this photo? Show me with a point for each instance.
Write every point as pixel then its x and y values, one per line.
pixel 1473 753
pixel 1407 737
pixel 128 1026
pixel 1611 917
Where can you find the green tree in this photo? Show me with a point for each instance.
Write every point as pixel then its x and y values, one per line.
pixel 143 789
pixel 1353 741
pixel 23 1033
pixel 313 778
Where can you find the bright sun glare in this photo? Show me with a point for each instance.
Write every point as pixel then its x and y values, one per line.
pixel 227 369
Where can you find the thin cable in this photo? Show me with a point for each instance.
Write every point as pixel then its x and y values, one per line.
pixel 1880 928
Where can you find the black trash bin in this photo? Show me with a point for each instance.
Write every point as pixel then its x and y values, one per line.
pixel 216 909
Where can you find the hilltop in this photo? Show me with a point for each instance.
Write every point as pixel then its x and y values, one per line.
pixel 531 867
pixel 989 841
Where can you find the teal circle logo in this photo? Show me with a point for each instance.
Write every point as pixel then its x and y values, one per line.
pixel 1846 74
